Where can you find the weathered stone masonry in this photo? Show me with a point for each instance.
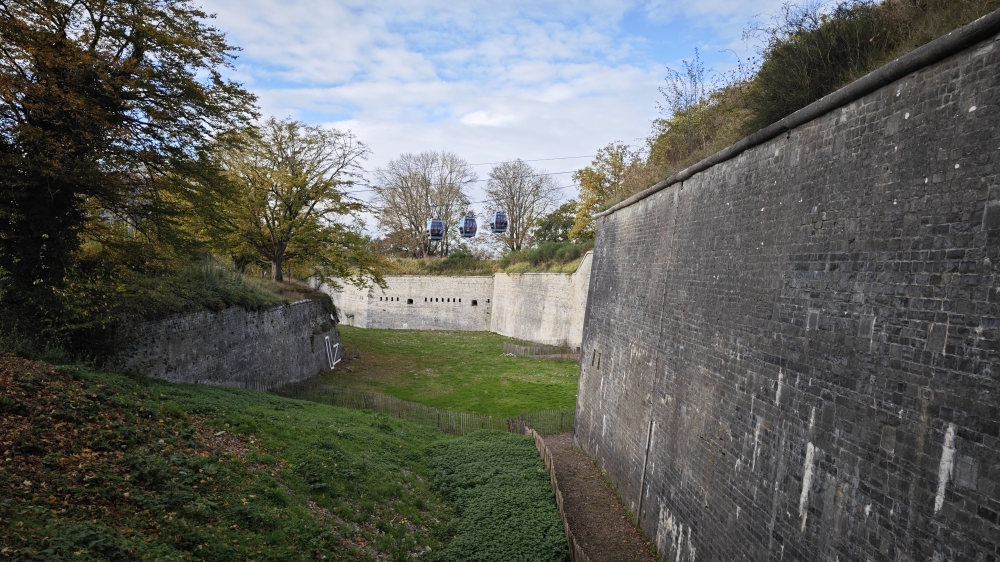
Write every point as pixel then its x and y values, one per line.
pixel 540 307
pixel 256 350
pixel 793 354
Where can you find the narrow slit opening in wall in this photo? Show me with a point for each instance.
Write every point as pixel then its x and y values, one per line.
pixel 425 299
pixel 487 301
pixel 593 358
pixel 598 361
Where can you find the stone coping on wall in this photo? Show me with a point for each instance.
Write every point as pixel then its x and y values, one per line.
pixel 921 57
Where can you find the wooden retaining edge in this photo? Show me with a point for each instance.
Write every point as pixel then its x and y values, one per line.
pixel 576 553
pixel 542 351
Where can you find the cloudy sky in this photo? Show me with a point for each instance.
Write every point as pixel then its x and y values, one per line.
pixel 541 80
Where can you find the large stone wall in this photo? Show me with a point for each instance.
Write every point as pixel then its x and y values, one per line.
pixel 794 354
pixel 431 303
pixel 542 307
pixel 256 350
pixel 418 302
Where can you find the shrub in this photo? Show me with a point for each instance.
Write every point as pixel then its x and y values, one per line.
pixel 808 51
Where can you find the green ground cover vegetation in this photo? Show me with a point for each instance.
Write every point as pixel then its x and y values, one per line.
pixel 99 466
pixel 502 495
pixel 103 467
pixel 459 371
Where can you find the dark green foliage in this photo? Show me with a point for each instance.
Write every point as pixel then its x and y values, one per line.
pixel 555 226
pixel 808 54
pixel 100 101
pixel 506 508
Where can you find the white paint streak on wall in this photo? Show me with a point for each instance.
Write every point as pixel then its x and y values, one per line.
pixel 756 440
pixel 807 477
pixel 671 538
pixel 781 380
pixel 947 466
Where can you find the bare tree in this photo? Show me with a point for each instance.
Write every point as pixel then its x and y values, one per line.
pixel 414 188
pixel 526 194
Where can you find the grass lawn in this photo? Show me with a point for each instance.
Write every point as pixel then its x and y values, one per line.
pixel 459 371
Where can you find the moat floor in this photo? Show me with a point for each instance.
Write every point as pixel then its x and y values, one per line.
pixel 597 518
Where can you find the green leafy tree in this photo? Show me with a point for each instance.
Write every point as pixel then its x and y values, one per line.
pixel 100 100
pixel 615 173
pixel 283 200
pixel 556 226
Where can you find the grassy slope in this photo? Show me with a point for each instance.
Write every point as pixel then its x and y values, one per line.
pixel 102 467
pixel 460 371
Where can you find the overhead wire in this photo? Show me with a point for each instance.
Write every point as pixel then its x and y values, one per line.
pixel 473 181
pixel 373 207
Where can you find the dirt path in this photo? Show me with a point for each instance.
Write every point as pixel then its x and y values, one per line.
pixel 598 520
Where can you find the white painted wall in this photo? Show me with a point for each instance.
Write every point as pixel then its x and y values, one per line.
pixel 541 307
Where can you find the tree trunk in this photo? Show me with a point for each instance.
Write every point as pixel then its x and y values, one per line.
pixel 276 268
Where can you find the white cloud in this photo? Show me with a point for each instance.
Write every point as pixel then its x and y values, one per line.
pixel 486 119
pixel 487 80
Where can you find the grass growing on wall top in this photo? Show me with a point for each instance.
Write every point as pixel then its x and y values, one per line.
pixel 506 507
pixel 459 371
pixel 548 257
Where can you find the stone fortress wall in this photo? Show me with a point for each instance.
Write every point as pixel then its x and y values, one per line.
pixel 792 351
pixel 545 308
pixel 541 307
pixel 420 302
pixel 234 347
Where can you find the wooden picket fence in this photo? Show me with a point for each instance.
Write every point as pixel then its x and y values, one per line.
pixel 576 553
pixel 541 351
pixel 456 423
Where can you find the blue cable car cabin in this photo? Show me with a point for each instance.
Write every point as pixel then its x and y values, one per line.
pixel 435 229
pixel 498 223
pixel 469 227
